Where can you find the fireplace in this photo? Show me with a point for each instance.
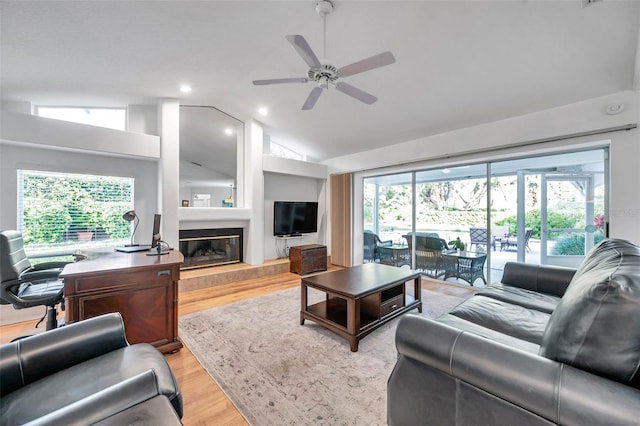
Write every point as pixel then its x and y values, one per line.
pixel 210 247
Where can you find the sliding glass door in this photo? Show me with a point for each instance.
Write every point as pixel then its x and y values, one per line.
pixel 542 210
pixel 575 196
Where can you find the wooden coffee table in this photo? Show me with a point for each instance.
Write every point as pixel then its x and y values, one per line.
pixel 360 299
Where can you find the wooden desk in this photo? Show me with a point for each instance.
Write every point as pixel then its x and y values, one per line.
pixel 144 289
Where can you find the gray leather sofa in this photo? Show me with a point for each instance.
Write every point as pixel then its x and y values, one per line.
pixel 86 373
pixel 545 346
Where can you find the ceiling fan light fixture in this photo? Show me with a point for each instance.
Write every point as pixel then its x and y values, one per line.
pixel 325 73
pixel 324 7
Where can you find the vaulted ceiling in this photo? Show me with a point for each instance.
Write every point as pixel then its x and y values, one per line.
pixel 457 63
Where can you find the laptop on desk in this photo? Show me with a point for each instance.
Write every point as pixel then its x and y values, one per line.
pixel 133 249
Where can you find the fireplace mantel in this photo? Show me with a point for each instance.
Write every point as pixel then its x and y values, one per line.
pixel 206 214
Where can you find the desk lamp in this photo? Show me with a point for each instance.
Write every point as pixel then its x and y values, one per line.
pixel 129 216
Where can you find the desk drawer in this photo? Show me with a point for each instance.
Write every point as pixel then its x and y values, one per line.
pixel 120 279
pixel 391 305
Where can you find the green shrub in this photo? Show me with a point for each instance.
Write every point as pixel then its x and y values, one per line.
pixel 532 220
pixel 573 245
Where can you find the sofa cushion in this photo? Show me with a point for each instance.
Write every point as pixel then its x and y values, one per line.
pixel 503 317
pixel 496 336
pixel 596 325
pixel 520 296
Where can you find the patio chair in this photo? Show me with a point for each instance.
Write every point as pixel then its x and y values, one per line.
pixel 498 232
pixel 512 241
pixel 429 248
pixel 371 243
pixel 478 236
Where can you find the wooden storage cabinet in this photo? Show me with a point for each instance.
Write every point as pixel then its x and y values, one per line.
pixel 308 258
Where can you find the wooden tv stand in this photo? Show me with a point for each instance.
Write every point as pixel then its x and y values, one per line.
pixel 308 258
pixel 143 289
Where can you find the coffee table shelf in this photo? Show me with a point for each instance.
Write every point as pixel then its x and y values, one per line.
pixel 335 310
pixel 360 299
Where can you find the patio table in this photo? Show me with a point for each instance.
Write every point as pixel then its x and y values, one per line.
pixel 467 266
pixel 395 255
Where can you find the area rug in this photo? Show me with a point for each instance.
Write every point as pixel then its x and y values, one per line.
pixel 278 372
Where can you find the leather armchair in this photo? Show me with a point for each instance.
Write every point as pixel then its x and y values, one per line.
pixel 86 369
pixel 124 403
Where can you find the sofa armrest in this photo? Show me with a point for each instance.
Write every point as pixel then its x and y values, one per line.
pixel 552 390
pixel 552 280
pixel 27 360
pixel 105 403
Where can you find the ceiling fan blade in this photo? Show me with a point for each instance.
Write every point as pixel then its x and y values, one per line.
pixel 356 93
pixel 313 98
pixel 280 81
pixel 377 61
pixel 304 50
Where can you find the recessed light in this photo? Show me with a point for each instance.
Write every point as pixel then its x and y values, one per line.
pixel 185 89
pixel 228 131
pixel 263 111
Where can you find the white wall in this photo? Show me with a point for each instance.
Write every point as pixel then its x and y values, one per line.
pixel 143 119
pixel 47 132
pixel 565 120
pixel 624 192
pixel 169 169
pixel 14 157
pixel 217 194
pixel 283 187
pixel 254 191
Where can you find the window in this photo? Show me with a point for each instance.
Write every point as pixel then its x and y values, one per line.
pixel 278 150
pixel 113 118
pixel 61 212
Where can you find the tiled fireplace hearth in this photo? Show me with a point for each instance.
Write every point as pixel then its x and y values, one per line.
pixel 210 247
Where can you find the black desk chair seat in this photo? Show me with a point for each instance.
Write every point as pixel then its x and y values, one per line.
pixel 23 285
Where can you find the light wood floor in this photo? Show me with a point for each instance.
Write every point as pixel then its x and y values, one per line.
pixel 204 402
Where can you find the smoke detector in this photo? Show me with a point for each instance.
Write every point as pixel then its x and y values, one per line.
pixel 613 109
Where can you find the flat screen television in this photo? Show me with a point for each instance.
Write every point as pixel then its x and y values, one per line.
pixel 295 217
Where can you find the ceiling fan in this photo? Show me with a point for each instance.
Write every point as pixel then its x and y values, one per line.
pixel 325 73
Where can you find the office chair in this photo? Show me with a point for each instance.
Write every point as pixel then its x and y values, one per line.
pixel 24 285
